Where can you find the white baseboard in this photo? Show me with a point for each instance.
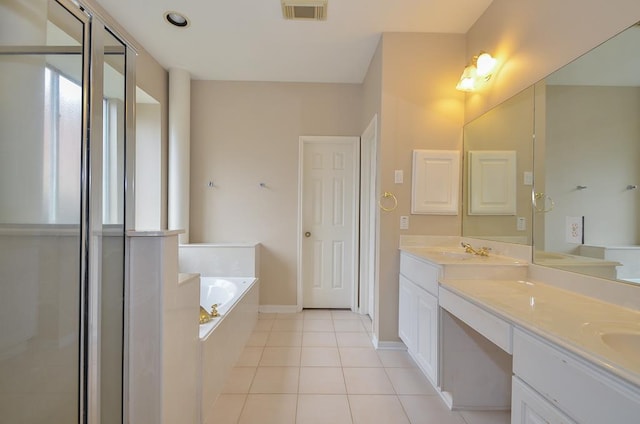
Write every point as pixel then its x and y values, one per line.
pixel 447 398
pixel 387 345
pixel 281 309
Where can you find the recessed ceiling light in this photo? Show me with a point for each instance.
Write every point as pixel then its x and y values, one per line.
pixel 176 19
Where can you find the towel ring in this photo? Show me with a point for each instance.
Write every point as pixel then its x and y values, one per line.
pixel 535 196
pixel 386 195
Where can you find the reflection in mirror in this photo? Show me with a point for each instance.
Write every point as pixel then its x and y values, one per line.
pixel 587 154
pixel 497 180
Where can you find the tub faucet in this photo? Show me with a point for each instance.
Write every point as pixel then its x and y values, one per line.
pixel 214 310
pixel 483 251
pixel 205 316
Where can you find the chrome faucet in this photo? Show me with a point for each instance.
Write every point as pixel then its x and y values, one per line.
pixel 483 251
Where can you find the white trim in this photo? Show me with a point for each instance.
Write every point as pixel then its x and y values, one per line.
pixel 368 162
pixel 447 398
pixel 280 309
pixel 355 141
pixel 382 345
pixel 299 293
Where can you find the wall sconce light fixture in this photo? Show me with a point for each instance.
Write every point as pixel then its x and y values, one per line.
pixel 477 72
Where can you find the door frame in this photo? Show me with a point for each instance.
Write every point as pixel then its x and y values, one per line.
pixel 368 236
pixel 302 141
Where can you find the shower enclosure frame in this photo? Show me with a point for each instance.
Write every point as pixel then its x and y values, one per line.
pixel 91 226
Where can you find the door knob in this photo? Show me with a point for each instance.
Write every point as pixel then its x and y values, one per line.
pixel 307 234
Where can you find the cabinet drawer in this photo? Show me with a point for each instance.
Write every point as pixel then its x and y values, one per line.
pixel 587 394
pixel 490 326
pixel 528 407
pixel 420 273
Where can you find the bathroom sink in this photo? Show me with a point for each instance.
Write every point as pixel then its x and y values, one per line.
pixel 456 255
pixel 624 342
pixel 621 337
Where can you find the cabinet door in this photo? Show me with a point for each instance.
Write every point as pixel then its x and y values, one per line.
pixel 407 317
pixel 528 407
pixel 427 334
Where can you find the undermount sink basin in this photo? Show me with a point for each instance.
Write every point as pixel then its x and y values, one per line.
pixel 627 343
pixel 621 337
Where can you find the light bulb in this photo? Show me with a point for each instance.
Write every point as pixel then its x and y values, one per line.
pixel 485 64
pixel 468 79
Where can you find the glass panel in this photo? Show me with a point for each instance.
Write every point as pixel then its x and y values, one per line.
pixel 40 190
pixel 112 286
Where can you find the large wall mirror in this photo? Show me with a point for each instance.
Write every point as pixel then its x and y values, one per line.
pixel 585 204
pixel 587 163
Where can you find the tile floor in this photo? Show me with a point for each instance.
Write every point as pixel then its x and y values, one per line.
pixel 319 366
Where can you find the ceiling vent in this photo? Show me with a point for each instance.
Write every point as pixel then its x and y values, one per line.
pixel 304 9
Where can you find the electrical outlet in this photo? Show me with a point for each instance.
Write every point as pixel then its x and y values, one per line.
pixel 404 222
pixel 521 224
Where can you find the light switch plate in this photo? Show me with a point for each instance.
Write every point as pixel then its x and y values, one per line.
pixel 404 222
pixel 399 176
pixel 521 224
pixel 528 178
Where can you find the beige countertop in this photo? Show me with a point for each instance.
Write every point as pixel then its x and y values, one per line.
pixel 457 256
pixel 586 326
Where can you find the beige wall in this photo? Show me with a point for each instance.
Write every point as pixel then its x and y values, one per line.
pixel 420 109
pixel 244 134
pixel 154 80
pixel 148 166
pixel 531 39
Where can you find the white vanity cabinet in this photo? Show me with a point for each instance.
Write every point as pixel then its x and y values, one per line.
pixel 552 385
pixel 418 313
pixel 407 314
pixel 528 407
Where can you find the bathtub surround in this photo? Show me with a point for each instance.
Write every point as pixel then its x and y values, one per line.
pixel 163 332
pixel 174 362
pixel 221 340
pixel 179 150
pixel 224 293
pixel 221 347
pixel 220 259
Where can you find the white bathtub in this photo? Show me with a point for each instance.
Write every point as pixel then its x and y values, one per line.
pixel 223 339
pixel 224 292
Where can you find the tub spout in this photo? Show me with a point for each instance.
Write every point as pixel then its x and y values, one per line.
pixel 205 316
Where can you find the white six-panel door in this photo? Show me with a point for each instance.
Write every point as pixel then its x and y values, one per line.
pixel 329 207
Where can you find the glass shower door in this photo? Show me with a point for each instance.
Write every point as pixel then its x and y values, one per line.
pixel 61 215
pixel 41 143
